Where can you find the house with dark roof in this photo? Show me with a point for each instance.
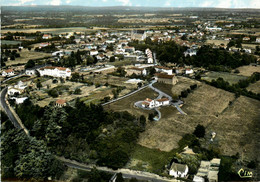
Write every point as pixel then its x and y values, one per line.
pixel 178 170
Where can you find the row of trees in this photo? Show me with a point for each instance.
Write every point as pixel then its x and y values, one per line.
pixel 238 88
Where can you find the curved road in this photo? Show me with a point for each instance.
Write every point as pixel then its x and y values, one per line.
pixel 11 113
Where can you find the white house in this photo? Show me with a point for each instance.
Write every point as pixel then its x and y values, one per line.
pixel 9 72
pixel 257 40
pixel 20 100
pixel 162 102
pixel 58 53
pixel 163 69
pixel 13 91
pixel 188 71
pixel 190 52
pixel 30 72
pixel 93 52
pixel 46 36
pixel 178 170
pixel 20 85
pixel 60 103
pixel 148 103
pixel 55 71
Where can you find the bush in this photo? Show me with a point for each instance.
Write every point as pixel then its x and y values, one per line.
pixel 252 165
pixel 199 131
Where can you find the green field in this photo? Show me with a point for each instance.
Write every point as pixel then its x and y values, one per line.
pixel 151 160
pixel 231 78
pixel 10 42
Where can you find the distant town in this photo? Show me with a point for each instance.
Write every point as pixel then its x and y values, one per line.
pixel 130 94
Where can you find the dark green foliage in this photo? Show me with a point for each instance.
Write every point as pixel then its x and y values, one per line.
pixel 30 64
pixel 252 164
pixel 29 113
pixel 26 158
pixel 112 59
pixel 199 131
pixel 77 91
pixel 226 172
pixel 120 178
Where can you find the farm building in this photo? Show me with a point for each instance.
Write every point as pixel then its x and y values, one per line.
pixel 167 79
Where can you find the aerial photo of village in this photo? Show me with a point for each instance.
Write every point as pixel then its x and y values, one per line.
pixel 130 91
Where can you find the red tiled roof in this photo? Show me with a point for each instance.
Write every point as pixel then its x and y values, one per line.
pixel 149 100
pixel 9 70
pixel 61 101
pixel 146 103
pixel 162 99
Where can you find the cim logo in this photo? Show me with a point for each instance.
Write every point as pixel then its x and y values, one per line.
pixel 245 174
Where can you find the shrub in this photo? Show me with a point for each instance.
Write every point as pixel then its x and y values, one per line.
pixel 199 131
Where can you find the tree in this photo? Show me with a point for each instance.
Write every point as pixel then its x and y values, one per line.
pixel 199 131
pixel 112 59
pixel 119 178
pixel 139 84
pixel 39 85
pixel 77 91
pixel 30 64
pixel 94 175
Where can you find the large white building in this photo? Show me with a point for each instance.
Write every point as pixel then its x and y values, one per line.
pixel 55 71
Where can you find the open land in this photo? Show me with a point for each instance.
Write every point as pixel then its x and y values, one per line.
pixel 26 55
pixel 254 87
pixel 248 70
pixel 231 78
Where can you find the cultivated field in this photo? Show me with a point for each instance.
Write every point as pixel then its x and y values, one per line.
pixel 26 55
pixel 202 106
pixel 248 70
pixel 254 87
pixel 231 78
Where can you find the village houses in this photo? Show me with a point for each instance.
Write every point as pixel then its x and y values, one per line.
pixel 8 72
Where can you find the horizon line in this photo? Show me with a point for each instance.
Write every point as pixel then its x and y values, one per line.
pixel 126 6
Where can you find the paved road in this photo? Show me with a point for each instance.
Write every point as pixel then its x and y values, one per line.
pixel 11 113
pixel 125 172
pixel 161 94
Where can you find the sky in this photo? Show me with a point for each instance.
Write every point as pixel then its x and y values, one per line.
pixel 152 3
